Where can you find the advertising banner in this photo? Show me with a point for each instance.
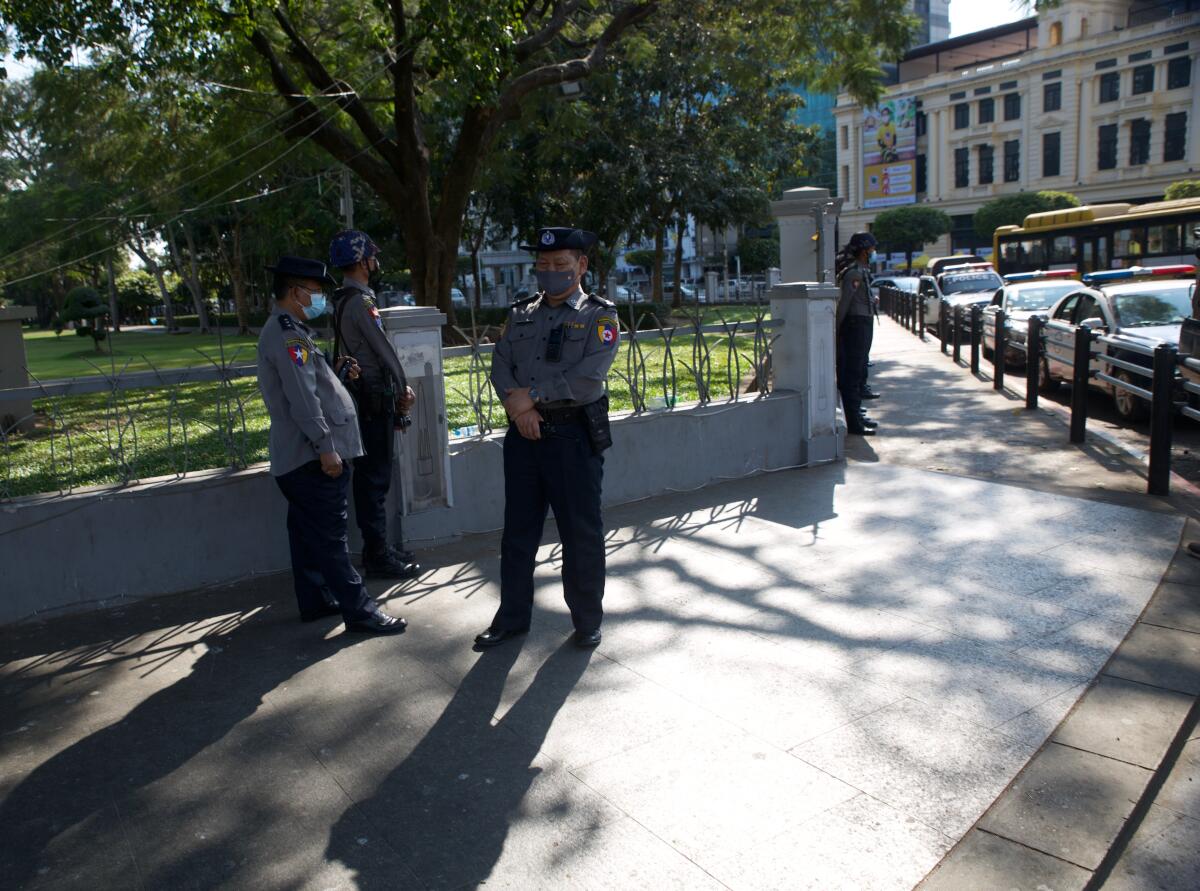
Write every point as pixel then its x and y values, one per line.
pixel 890 153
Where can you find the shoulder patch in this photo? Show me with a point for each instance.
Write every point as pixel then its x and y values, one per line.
pixel 608 330
pixel 525 300
pixel 298 351
pixel 285 322
pixel 603 301
pixel 373 312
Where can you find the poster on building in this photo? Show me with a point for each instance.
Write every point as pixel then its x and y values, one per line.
pixel 890 153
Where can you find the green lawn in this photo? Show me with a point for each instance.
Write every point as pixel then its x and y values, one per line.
pixel 50 356
pixel 92 440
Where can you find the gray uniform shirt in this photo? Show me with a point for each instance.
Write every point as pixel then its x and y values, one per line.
pixel 855 299
pixel 360 330
pixel 311 412
pixel 564 351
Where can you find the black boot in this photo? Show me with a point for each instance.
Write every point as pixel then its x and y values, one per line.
pixel 389 564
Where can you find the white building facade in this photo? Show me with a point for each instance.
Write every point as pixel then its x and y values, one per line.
pixel 1094 97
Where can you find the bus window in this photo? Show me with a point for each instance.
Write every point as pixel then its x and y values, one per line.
pixel 1190 240
pixel 1033 253
pixel 1010 254
pixel 1062 249
pixel 1162 239
pixel 1129 244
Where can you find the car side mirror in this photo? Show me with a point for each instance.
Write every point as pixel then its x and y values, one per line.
pixel 1093 323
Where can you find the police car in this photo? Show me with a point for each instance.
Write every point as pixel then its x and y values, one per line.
pixel 1024 294
pixel 1146 305
pixel 965 285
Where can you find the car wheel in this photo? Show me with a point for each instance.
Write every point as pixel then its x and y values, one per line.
pixel 1047 383
pixel 1130 408
pixel 987 352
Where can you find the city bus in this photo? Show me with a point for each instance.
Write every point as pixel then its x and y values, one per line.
pixel 1100 237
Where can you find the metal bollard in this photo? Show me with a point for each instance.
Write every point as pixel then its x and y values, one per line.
pixel 1000 344
pixel 912 311
pixel 1033 361
pixel 1162 409
pixel 1081 374
pixel 957 339
pixel 920 316
pixel 943 311
pixel 976 333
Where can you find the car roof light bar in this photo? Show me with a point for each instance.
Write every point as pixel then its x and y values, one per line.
pixel 1117 275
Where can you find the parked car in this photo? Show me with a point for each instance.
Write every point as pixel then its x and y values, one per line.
pixel 964 285
pixel 687 291
pixel 1024 294
pixel 941 264
pixel 908 283
pixel 626 294
pixel 396 298
pixel 1147 305
pixel 457 297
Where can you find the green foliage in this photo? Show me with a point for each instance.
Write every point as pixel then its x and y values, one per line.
pixel 85 307
pixel 910 227
pixel 1185 188
pixel 758 254
pixel 642 258
pixel 137 290
pixel 1011 210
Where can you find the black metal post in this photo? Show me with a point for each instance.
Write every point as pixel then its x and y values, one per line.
pixel 1162 409
pixel 1033 361
pixel 976 326
pixel 1000 344
pixel 912 312
pixel 905 311
pixel 957 338
pixel 1081 374
pixel 943 311
pixel 920 298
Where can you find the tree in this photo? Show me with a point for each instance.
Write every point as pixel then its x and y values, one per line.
pixel 1185 188
pixel 85 306
pixel 1011 210
pixel 758 254
pixel 909 228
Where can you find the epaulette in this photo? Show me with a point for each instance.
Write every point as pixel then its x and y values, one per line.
pixel 343 291
pixel 532 297
pixel 285 322
pixel 603 301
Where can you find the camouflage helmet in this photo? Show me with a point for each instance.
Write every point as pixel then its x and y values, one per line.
pixel 349 247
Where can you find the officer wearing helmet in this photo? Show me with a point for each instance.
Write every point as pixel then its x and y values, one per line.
pixel 314 433
pixel 382 396
pixel 855 317
pixel 549 368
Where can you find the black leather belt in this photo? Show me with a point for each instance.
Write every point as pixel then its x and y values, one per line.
pixel 570 414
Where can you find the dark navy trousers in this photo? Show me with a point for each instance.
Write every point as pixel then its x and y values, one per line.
pixel 559 471
pixel 318 514
pixel 853 348
pixel 373 479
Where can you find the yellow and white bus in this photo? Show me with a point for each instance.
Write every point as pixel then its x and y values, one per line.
pixel 1100 237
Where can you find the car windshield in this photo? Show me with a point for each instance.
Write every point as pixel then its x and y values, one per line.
pixel 1154 306
pixel 964 282
pixel 1037 296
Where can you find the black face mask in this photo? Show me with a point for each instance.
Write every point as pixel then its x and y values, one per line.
pixel 374 275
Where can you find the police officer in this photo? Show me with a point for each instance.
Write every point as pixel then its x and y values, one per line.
pixel 314 432
pixel 359 333
pixel 855 316
pixel 549 368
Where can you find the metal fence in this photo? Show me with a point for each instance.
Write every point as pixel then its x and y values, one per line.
pixel 1129 365
pixel 118 426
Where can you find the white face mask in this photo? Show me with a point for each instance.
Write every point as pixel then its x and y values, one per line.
pixel 317 307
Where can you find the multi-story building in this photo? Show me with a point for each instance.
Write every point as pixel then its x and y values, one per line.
pixel 1099 98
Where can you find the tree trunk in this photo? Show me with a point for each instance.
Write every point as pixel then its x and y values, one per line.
pixel 155 270
pixel 656 290
pixel 908 258
pixel 114 309
pixel 232 258
pixel 680 229
pixel 188 273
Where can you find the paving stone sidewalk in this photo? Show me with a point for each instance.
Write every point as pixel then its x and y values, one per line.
pixel 812 679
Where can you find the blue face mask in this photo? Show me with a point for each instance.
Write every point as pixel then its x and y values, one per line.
pixel 873 256
pixel 317 308
pixel 555 282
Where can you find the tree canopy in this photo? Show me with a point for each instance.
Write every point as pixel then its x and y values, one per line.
pixel 1185 188
pixel 909 228
pixel 1011 210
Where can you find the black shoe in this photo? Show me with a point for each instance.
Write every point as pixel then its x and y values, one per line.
pixel 860 430
pixel 404 556
pixel 869 423
pixel 493 637
pixel 587 640
pixel 1193 548
pixel 389 565
pixel 321 612
pixel 378 623
pixel 868 393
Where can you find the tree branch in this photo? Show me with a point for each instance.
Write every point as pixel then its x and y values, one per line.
pixel 523 49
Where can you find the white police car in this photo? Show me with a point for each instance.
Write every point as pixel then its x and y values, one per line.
pixel 1145 304
pixel 965 285
pixel 1024 294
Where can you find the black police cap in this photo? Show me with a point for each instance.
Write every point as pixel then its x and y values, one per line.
pixel 562 238
pixel 300 267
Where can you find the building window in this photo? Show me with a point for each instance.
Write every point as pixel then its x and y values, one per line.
pixel 1056 34
pixel 1175 137
pixel 922 123
pixel 1052 96
pixel 1143 79
pixel 922 175
pixel 1051 154
pixel 1012 160
pixel 1012 107
pixel 1179 72
pixel 962 168
pixel 1139 142
pixel 987 111
pixel 962 116
pixel 1110 86
pixel 987 159
pixel 845 137
pixel 1106 153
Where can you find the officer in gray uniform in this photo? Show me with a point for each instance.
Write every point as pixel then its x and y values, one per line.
pixel 549 368
pixel 855 316
pixel 314 434
pixel 382 395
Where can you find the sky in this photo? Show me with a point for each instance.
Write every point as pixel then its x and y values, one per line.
pixel 974 15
